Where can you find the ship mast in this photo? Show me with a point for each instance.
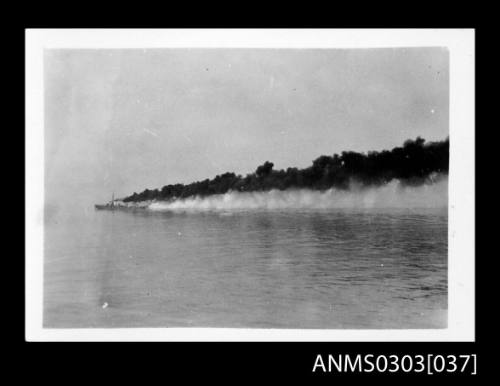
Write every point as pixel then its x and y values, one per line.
pixel 113 199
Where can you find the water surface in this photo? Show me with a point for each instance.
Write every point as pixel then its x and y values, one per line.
pixel 263 269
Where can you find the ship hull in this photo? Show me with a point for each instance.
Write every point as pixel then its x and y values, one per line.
pixel 118 207
pixel 104 207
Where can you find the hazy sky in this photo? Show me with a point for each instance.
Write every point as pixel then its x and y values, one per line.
pixel 126 120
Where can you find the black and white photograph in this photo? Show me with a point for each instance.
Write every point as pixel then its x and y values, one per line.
pixel 274 188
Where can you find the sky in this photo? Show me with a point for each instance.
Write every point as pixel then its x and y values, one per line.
pixel 126 120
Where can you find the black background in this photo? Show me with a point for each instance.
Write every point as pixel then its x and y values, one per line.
pixel 173 363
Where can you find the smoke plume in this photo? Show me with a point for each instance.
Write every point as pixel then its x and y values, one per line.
pixel 391 195
pixel 416 163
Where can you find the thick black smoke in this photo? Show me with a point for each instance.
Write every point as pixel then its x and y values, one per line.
pixel 415 163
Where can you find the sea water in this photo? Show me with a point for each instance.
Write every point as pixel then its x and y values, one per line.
pixel 283 268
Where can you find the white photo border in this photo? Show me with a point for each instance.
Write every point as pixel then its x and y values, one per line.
pixel 461 213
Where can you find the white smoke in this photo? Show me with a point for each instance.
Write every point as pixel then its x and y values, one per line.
pixel 392 195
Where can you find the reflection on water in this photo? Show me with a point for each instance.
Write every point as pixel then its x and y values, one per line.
pixel 265 269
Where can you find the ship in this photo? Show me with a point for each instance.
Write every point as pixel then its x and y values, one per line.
pixel 109 206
